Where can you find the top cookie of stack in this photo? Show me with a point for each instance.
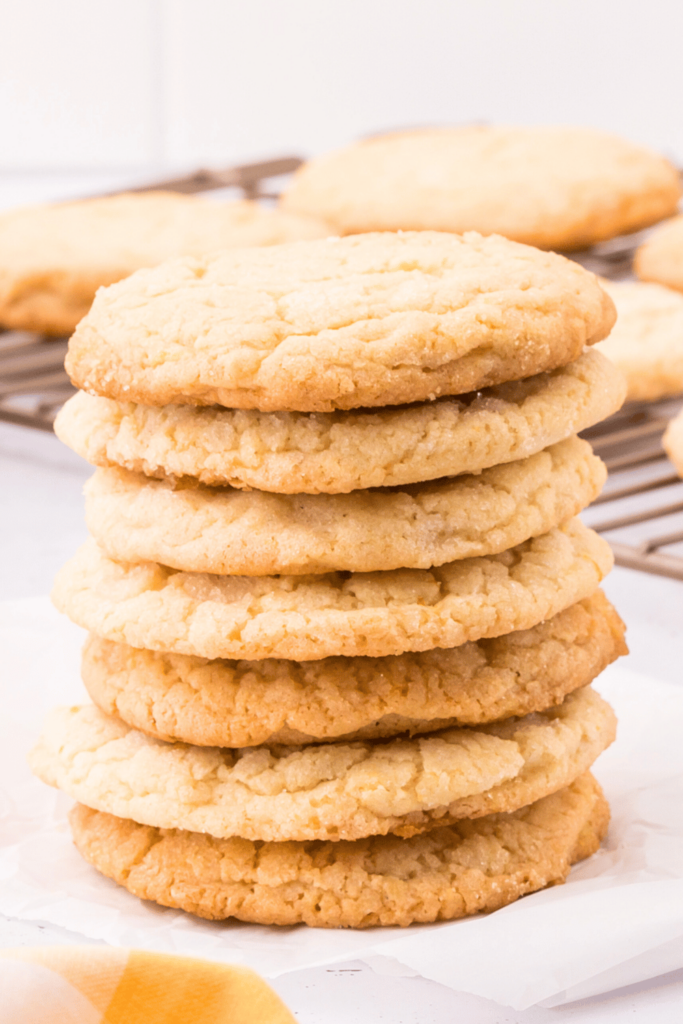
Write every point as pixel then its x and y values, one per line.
pixel 373 320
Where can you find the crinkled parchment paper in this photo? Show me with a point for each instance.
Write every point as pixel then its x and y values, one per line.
pixel 618 920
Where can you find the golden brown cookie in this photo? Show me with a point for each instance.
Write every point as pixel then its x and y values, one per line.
pixel 660 258
pixel 447 873
pixel 335 791
pixel 351 614
pixel 295 453
pixel 341 323
pixel 647 341
pixel 253 533
pixel 554 187
pixel 247 703
pixel 673 442
pixel 53 258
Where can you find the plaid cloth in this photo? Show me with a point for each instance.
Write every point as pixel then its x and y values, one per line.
pixel 96 985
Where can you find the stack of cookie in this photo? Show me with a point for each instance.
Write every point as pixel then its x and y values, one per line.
pixel 342 623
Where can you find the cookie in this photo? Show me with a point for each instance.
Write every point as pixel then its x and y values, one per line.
pixel 647 342
pixel 450 872
pixel 554 187
pixel 341 323
pixel 53 258
pixel 673 442
pixel 252 533
pixel 299 453
pixel 176 697
pixel 335 791
pixel 660 258
pixel 306 618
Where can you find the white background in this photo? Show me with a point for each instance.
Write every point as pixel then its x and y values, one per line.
pixel 121 85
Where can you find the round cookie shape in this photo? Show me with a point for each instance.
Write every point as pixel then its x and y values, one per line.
pixel 53 258
pixel 342 323
pixel 253 533
pixel 222 703
pixel 336 791
pixel 332 453
pixel 673 442
pixel 647 341
pixel 449 872
pixel 660 258
pixel 305 618
pixel 553 187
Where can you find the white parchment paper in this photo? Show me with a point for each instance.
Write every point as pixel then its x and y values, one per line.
pixel 618 920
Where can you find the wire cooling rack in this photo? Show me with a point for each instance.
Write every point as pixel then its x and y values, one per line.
pixel 33 382
pixel 641 508
pixel 640 511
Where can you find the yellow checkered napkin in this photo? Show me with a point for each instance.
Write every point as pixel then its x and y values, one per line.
pixel 95 985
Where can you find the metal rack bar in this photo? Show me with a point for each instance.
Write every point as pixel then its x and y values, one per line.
pixel 629 491
pixel 653 562
pixel 629 460
pixel 247 177
pixel 639 517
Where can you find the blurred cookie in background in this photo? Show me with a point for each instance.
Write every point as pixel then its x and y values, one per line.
pixel 673 442
pixel 552 187
pixel 647 341
pixel 660 259
pixel 54 257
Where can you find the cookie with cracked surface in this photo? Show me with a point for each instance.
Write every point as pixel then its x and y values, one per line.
pixel 333 453
pixel 335 791
pixel 647 341
pixel 673 442
pixel 305 618
pixel 253 533
pixel 222 703
pixel 53 258
pixel 447 873
pixel 343 323
pixel 554 187
pixel 660 258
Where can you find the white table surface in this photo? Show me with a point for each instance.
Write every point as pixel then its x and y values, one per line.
pixel 41 524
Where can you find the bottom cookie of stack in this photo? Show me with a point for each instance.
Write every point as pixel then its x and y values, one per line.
pixel 446 873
